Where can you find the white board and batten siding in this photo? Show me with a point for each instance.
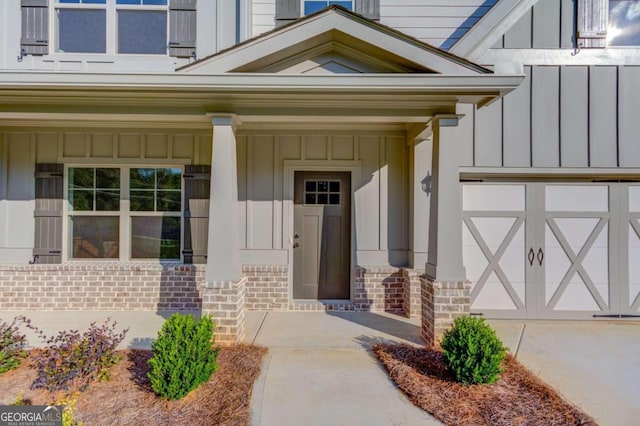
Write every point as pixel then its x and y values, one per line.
pixel 549 24
pixel 378 163
pixel 562 116
pixel 437 22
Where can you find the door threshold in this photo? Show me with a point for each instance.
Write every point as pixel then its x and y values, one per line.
pixel 324 301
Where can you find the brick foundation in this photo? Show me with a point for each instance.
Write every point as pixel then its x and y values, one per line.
pixel 267 287
pixel 442 303
pixel 101 286
pixel 111 286
pixel 225 302
pixel 412 299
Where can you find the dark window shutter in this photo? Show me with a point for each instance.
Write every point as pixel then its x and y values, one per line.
pixel 182 28
pixel 197 182
pixel 35 27
pixel 47 246
pixel 592 23
pixel 368 8
pixel 287 11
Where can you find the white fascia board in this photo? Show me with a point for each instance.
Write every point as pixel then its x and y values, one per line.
pixel 321 24
pixel 257 83
pixel 493 25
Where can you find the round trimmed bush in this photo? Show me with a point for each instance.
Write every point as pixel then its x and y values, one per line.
pixel 472 351
pixel 183 356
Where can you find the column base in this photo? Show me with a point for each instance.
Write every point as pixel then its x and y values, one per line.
pixel 442 303
pixel 224 301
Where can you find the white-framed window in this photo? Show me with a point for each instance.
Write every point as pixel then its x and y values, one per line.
pixel 124 213
pixel 624 23
pixel 111 26
pixel 312 6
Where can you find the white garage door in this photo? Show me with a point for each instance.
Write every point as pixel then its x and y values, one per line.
pixel 552 250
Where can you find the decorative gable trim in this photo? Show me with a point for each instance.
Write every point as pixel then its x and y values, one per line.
pixel 333 24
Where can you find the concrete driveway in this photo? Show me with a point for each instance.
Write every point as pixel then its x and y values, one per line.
pixel 594 364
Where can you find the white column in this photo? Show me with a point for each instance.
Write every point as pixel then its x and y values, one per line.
pixel 445 223
pixel 223 253
pixel 420 157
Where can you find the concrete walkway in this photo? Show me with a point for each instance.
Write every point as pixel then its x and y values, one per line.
pixel 319 371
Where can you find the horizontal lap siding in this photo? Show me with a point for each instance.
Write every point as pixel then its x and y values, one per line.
pixel 562 116
pixel 437 22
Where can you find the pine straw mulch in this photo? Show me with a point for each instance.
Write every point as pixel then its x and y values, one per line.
pixel 127 397
pixel 519 397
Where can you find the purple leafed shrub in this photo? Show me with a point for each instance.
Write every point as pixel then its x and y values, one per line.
pixel 74 359
pixel 12 344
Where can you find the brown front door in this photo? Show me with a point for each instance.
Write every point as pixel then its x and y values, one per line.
pixel 322 234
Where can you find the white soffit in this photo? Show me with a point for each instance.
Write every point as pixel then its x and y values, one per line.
pixel 372 46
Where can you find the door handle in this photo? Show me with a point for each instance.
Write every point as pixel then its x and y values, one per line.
pixel 296 245
pixel 532 256
pixel 540 255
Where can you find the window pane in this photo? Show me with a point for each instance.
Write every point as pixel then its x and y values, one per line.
pixel 142 31
pixel 155 237
pixel 334 186
pixel 313 6
pixel 128 2
pixel 82 30
pixel 107 178
pixel 310 186
pixel 624 23
pixel 323 199
pixel 323 186
pixel 168 201
pixel 169 178
pixel 334 199
pixel 142 201
pixel 346 4
pixel 81 178
pixel 310 199
pixel 107 200
pixel 81 200
pixel 155 2
pixel 142 178
pixel 95 237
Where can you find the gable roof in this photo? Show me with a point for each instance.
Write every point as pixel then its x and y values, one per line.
pixel 335 29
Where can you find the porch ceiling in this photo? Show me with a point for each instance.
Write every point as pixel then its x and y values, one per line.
pixel 171 99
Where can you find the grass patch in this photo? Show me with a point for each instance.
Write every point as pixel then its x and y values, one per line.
pixel 127 397
pixel 518 398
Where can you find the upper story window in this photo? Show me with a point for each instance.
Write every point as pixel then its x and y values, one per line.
pixel 624 23
pixel 312 6
pixel 111 26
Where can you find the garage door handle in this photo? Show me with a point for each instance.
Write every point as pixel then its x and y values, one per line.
pixel 532 256
pixel 540 256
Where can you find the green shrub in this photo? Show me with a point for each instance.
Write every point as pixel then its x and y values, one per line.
pixel 472 351
pixel 183 356
pixel 72 358
pixel 12 344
